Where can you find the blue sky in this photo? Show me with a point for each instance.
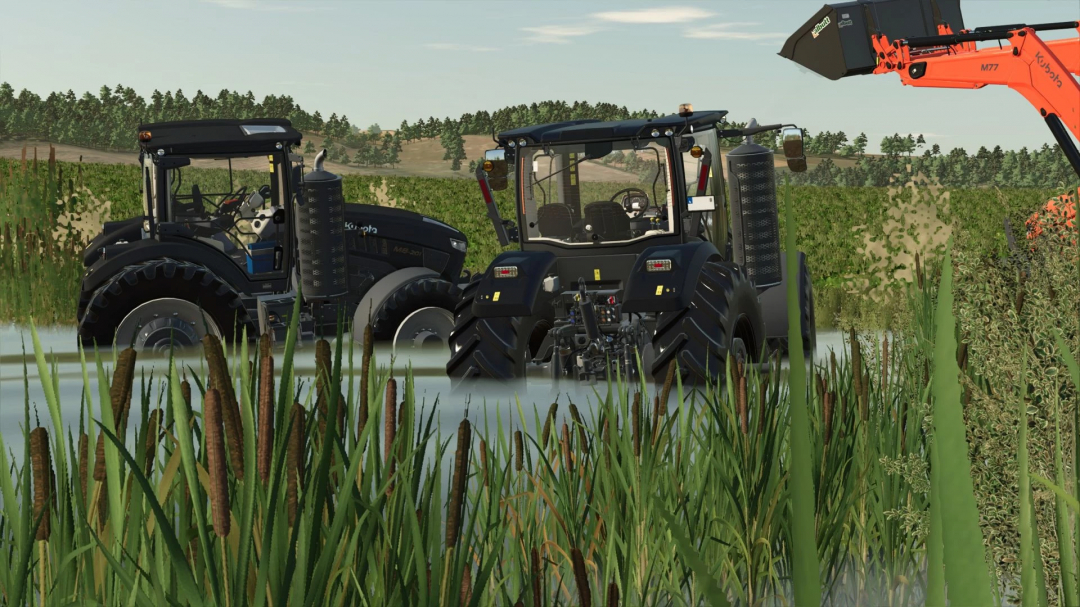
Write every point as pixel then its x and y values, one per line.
pixel 379 61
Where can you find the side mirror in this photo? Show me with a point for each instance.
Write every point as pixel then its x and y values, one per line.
pixel 497 170
pixel 793 149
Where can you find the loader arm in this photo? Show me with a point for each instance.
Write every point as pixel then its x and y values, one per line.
pixel 1043 72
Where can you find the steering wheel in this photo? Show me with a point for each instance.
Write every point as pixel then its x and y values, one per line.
pixel 232 202
pixel 628 206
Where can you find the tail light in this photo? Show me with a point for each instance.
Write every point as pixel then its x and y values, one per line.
pixel 506 272
pixel 658 265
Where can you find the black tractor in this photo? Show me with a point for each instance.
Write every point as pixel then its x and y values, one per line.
pixel 235 231
pixel 627 253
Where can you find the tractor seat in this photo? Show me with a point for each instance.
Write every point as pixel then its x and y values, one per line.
pixel 555 221
pixel 608 219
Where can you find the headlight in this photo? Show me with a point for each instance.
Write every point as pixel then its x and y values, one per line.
pixel 460 245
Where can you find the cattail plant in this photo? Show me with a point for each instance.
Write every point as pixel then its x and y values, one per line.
pixel 185 391
pixel 266 409
pixel 152 430
pixel 582 438
pixel 230 409
pixel 581 577
pixel 613 595
pixel 457 489
pixel 365 365
pixel 483 461
pixel 120 392
pixel 390 430
pixel 740 398
pixel 552 412
pixel 41 466
pixel 84 454
pixel 519 451
pixel 215 456
pixel 669 380
pixel 466 585
pixel 636 424
pixel 294 461
pixel 564 442
pixel 536 576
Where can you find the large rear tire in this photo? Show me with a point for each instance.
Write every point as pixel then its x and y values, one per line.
pixel 408 299
pixel 157 279
pixel 495 349
pixel 724 309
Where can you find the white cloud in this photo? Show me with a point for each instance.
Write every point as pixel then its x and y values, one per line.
pixel 732 31
pixel 452 46
pixel 559 34
pixel 667 14
pixel 260 5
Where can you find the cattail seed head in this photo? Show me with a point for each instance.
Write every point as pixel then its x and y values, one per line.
pixel 582 437
pixel 962 355
pixel 84 454
pixel 41 466
pixel 230 409
pixel 461 472
pixel 564 442
pixel 613 595
pixel 519 451
pixel 536 581
pixel 390 428
pixel 669 380
pixel 365 365
pixel 763 396
pixel 581 577
pixel 294 460
pixel 483 461
pixel 656 422
pixel 266 413
pixel 215 456
pixel 466 585
pixel 552 411
pixel 152 431
pixel 185 391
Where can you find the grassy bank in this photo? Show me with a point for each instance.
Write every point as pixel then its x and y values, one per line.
pixel 869 487
pixel 859 242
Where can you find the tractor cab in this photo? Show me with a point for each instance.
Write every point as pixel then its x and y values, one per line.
pixel 623 227
pixel 237 201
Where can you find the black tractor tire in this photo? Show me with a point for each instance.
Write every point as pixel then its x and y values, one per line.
pixel 138 283
pixel 495 349
pixel 420 293
pixel 724 308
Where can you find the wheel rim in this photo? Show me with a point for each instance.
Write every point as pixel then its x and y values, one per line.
pixel 163 324
pixel 426 329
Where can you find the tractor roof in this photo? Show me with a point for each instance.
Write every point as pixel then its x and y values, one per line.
pixel 586 130
pixel 219 136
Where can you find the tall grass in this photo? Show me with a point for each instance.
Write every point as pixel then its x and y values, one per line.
pixel 692 501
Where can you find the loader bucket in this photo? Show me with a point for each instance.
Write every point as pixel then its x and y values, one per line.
pixel 836 42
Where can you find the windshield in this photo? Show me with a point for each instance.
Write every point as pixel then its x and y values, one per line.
pixel 234 204
pixel 597 192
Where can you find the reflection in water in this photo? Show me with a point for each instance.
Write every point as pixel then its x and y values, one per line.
pixel 487 405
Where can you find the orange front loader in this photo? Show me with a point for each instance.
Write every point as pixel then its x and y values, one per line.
pixel 924 41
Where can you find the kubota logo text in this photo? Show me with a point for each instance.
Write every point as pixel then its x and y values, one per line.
pixel 1043 63
pixel 820 26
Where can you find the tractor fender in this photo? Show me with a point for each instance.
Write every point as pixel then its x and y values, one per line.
pixel 670 290
pixel 112 232
pixel 516 296
pixel 381 291
pixel 117 257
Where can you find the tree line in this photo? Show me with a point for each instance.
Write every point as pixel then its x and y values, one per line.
pixel 110 119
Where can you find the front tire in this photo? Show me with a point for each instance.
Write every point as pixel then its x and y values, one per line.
pixel 724 309
pixel 488 348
